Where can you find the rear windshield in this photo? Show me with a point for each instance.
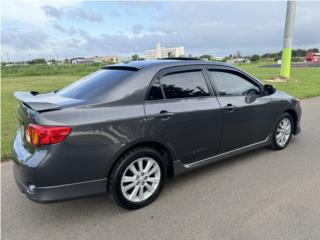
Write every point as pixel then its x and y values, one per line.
pixel 95 84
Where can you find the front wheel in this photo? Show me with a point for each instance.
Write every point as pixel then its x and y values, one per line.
pixel 282 132
pixel 138 178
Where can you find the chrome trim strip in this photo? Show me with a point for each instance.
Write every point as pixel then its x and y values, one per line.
pixel 72 184
pixel 200 162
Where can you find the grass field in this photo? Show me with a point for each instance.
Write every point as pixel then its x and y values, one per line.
pixel 39 70
pixel 305 83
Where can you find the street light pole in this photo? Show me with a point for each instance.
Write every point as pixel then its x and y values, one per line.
pixel 287 43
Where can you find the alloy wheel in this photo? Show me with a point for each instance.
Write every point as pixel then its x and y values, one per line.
pixel 140 179
pixel 283 132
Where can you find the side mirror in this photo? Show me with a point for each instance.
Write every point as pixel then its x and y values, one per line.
pixel 269 89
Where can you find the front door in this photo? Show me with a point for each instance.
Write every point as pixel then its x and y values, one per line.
pixel 247 113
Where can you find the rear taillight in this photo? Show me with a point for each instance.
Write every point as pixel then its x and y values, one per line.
pixel 42 135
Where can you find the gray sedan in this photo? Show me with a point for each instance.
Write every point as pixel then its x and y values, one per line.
pixel 127 127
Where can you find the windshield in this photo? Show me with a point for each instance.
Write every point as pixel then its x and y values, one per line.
pixel 95 84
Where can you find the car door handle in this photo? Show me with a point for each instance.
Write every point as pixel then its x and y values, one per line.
pixel 163 114
pixel 230 107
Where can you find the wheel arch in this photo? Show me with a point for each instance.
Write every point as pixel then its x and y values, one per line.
pixel 164 149
pixel 294 116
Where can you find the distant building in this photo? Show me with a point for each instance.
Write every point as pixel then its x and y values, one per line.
pixel 111 59
pixel 313 57
pixel 96 59
pixel 217 58
pixel 238 60
pixel 242 60
pixel 50 62
pixel 162 52
pixel 54 62
pixel 87 60
pixel 76 60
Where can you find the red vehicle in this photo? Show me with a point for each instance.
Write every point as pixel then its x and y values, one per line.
pixel 313 57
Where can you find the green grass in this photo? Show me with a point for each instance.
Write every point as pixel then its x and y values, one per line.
pixel 305 83
pixel 9 122
pixel 40 70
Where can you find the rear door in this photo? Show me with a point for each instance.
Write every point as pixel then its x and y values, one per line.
pixel 182 109
pixel 247 113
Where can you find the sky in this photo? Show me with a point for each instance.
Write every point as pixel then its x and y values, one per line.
pixel 66 29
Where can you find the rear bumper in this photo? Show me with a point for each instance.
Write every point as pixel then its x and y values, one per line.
pixel 48 176
pixel 60 192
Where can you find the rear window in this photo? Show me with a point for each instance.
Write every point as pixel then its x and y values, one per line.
pixel 95 84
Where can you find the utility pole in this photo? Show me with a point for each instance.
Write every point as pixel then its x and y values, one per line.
pixel 287 42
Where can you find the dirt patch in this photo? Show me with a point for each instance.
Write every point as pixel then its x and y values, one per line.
pixel 278 79
pixel 281 80
pixel 5 159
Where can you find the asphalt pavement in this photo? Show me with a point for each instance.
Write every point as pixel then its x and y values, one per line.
pixel 263 194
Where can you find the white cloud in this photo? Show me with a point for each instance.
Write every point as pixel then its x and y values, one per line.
pixel 216 28
pixel 30 12
pixel 76 14
pixel 23 40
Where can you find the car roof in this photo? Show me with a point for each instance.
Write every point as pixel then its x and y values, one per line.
pixel 164 63
pixel 129 89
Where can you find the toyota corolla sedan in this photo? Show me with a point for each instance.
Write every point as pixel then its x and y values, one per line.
pixel 124 129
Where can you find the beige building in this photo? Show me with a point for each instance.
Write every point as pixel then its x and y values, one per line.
pixel 111 59
pixel 162 52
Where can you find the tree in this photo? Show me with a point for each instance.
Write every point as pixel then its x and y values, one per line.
pixel 135 57
pixel 37 61
pixel 299 53
pixel 254 58
pixel 53 61
pixel 205 56
pixel 313 50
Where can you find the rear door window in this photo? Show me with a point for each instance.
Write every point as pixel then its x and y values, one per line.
pixel 185 84
pixel 155 91
pixel 95 84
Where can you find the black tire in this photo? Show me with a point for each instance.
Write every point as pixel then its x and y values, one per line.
pixel 114 186
pixel 274 144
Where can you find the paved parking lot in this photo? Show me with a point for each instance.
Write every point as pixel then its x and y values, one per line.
pixel 264 194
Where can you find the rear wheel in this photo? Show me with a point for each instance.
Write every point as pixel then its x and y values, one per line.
pixel 137 178
pixel 282 132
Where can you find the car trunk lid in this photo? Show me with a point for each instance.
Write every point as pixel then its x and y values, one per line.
pixel 32 104
pixel 45 101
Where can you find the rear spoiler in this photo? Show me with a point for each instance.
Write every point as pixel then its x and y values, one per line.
pixel 122 67
pixel 30 99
